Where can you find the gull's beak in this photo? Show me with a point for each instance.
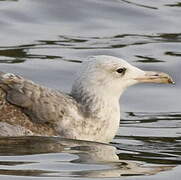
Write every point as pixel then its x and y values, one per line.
pixel 155 77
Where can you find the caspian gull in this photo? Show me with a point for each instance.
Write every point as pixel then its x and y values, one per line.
pixel 91 111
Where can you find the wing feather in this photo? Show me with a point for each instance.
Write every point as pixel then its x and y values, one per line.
pixel 42 105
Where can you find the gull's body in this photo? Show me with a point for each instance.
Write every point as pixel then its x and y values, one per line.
pixel 91 112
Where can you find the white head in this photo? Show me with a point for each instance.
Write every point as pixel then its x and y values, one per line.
pixel 98 86
pixel 110 76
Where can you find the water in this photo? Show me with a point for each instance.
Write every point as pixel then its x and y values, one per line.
pixel 45 40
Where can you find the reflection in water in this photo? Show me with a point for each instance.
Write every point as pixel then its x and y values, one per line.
pixel 17 54
pixel 20 55
pixel 160 145
pixel 157 150
pixel 13 55
pixel 147 59
pixel 173 53
pixel 101 159
pixel 8 0
pixel 139 5
pixel 177 4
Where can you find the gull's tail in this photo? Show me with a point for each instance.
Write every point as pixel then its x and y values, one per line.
pixel 1 75
pixel 10 81
pixel 2 85
pixel 14 85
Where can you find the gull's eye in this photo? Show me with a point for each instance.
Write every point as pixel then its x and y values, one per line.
pixel 121 70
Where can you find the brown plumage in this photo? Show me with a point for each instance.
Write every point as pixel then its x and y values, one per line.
pixel 13 115
pixel 28 108
pixel 18 112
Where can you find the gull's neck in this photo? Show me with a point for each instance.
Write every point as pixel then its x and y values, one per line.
pixel 100 109
pixel 95 101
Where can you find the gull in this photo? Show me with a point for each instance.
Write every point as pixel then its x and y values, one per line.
pixel 90 112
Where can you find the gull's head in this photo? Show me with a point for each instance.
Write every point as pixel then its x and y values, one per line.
pixel 112 75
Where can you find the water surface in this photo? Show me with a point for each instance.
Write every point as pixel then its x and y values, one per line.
pixel 45 40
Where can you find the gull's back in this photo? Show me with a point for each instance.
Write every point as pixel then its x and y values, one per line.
pixel 38 110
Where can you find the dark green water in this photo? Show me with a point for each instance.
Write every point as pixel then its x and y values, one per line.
pixel 45 40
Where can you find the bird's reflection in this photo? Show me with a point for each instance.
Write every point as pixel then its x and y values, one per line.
pixel 102 158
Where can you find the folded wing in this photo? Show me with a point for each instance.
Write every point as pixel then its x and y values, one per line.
pixel 43 106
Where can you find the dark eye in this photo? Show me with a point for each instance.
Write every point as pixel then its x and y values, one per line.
pixel 121 70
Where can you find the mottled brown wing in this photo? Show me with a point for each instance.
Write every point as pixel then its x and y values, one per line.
pixel 32 103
